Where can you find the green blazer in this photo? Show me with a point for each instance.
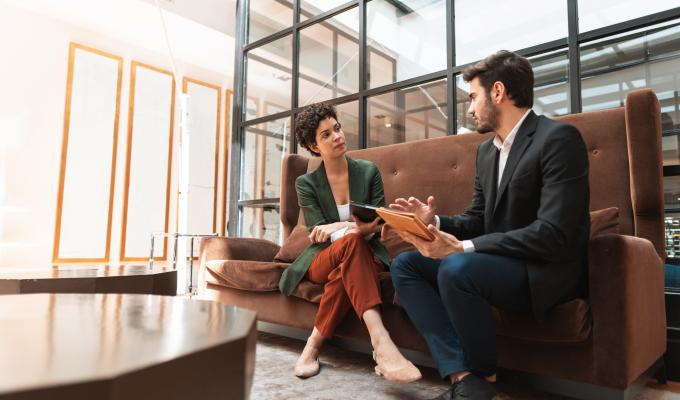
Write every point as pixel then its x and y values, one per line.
pixel 318 205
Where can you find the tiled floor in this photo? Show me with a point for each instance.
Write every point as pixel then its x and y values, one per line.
pixel 349 375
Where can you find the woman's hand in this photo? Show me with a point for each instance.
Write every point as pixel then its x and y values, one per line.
pixel 425 212
pixel 365 228
pixel 322 233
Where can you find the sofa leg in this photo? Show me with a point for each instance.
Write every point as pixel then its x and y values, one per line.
pixel 579 390
pixel 661 374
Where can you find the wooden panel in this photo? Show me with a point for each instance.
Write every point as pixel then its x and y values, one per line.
pixel 88 156
pixel 148 162
pixel 204 105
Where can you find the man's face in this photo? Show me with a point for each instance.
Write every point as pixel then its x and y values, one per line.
pixel 482 109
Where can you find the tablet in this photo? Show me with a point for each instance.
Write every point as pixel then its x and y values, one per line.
pixel 363 212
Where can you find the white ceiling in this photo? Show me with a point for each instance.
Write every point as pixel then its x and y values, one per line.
pixel 199 30
pixel 216 14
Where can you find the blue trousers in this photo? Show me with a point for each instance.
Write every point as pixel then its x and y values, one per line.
pixel 449 301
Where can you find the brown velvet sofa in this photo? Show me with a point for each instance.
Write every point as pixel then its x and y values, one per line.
pixel 594 347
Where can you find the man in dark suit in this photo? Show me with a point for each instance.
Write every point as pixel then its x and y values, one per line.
pixel 519 247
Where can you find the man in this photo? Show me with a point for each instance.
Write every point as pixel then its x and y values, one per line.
pixel 520 246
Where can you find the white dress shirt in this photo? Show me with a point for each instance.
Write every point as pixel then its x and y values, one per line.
pixel 503 147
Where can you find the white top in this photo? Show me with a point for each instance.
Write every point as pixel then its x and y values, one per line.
pixel 343 212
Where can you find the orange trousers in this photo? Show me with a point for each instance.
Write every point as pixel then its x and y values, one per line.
pixel 349 272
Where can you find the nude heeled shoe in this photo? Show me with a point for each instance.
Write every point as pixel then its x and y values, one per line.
pixel 304 371
pixel 406 374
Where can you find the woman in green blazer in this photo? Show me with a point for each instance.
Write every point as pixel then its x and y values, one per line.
pixel 345 255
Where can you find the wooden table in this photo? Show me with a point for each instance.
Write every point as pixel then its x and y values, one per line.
pixel 83 279
pixel 124 346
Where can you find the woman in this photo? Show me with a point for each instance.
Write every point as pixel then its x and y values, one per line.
pixel 345 255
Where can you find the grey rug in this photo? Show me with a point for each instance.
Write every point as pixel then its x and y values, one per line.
pixel 349 375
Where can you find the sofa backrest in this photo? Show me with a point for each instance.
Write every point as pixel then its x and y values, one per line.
pixel 624 149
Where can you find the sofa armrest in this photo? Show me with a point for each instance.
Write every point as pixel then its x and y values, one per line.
pixel 237 248
pixel 232 248
pixel 628 307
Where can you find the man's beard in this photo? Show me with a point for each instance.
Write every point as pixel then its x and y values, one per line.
pixel 489 122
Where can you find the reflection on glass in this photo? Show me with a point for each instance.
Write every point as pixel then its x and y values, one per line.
pixel 516 25
pixel 551 83
pixel 671 188
pixel 348 116
pixel 551 88
pixel 310 8
pixel 264 146
pixel 268 78
pixel 593 14
pixel 647 59
pixel 417 112
pixel 266 17
pixel 329 59
pixel 262 222
pixel 405 39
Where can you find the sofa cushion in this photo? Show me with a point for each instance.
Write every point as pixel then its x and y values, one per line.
pixel 295 243
pixel 258 276
pixel 568 322
pixel 604 221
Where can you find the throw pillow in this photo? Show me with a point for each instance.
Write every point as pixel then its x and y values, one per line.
pixel 295 243
pixel 604 221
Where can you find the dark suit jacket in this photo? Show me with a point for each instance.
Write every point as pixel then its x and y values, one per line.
pixel 539 213
pixel 318 206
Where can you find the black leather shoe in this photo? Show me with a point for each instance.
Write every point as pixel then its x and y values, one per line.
pixel 448 395
pixel 471 387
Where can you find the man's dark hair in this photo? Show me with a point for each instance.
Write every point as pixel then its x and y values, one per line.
pixel 513 70
pixel 308 121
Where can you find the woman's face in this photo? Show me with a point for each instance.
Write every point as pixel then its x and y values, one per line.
pixel 330 139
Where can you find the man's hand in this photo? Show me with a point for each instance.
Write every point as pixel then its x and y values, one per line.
pixel 425 212
pixel 365 228
pixel 322 233
pixel 442 245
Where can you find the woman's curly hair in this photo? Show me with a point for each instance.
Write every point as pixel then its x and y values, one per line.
pixel 308 121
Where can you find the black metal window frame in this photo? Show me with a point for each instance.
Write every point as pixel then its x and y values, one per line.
pixel 572 43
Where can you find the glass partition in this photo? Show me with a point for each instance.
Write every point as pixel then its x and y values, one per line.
pixel 266 17
pixel 611 69
pixel 594 14
pixel 511 25
pixel 329 58
pixel 269 78
pixel 265 145
pixel 413 113
pixel 311 8
pixel 405 39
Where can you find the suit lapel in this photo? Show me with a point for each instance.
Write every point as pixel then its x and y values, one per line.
pixel 356 192
pixel 490 181
pixel 522 141
pixel 326 200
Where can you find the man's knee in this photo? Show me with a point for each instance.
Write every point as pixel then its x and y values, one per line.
pixel 455 271
pixel 402 265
